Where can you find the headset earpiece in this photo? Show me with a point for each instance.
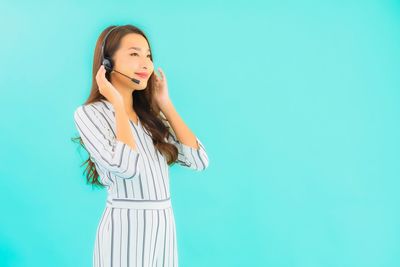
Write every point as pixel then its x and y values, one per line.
pixel 107 65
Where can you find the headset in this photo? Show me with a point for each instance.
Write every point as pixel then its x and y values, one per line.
pixel 107 61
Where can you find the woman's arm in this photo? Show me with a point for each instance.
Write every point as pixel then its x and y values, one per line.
pixel 107 149
pixel 182 131
pixel 191 152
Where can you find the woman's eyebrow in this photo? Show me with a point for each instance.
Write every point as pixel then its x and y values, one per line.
pixel 137 48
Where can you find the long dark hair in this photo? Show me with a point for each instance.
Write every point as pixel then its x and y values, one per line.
pixel 143 104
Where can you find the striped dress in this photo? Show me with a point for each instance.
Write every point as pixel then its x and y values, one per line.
pixel 137 227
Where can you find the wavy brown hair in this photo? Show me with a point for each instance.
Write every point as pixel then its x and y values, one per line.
pixel 146 109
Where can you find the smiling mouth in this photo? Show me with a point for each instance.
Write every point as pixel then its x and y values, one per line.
pixel 141 75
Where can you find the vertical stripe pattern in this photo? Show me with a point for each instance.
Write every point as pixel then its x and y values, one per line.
pixel 128 237
pixel 136 237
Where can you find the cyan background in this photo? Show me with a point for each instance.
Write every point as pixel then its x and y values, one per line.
pixel 296 102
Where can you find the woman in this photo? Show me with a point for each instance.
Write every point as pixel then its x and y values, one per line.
pixel 132 133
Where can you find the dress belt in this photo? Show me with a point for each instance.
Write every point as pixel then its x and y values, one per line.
pixel 138 203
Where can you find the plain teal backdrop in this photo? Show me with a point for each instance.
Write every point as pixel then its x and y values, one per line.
pixel 296 102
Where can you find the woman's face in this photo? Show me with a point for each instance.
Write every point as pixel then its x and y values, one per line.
pixel 132 59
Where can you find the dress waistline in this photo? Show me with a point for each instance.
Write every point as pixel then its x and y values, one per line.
pixel 138 203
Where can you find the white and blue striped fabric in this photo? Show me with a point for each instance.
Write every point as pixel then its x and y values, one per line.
pixel 137 227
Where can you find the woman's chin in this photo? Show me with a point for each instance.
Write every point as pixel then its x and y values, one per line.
pixel 141 86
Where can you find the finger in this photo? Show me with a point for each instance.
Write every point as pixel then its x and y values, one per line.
pixel 99 72
pixel 162 73
pixel 103 71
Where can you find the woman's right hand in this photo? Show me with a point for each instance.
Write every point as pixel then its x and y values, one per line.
pixel 106 88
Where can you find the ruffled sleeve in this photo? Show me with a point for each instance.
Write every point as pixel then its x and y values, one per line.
pixel 104 149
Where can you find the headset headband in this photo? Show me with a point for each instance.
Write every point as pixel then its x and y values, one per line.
pixel 104 41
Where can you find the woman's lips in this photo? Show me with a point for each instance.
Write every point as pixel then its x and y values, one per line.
pixel 141 75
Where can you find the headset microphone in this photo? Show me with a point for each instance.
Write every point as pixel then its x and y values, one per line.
pixel 107 61
pixel 132 79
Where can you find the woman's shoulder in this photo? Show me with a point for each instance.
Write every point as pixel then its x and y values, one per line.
pixel 95 113
pixel 98 107
pixel 103 104
pixel 82 109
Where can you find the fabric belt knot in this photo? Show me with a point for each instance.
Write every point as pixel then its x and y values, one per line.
pixel 138 203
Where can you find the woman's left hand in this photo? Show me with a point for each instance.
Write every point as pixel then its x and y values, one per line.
pixel 161 95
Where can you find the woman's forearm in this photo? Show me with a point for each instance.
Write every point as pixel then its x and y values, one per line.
pixel 182 131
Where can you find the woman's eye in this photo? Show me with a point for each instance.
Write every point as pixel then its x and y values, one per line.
pixel 138 54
